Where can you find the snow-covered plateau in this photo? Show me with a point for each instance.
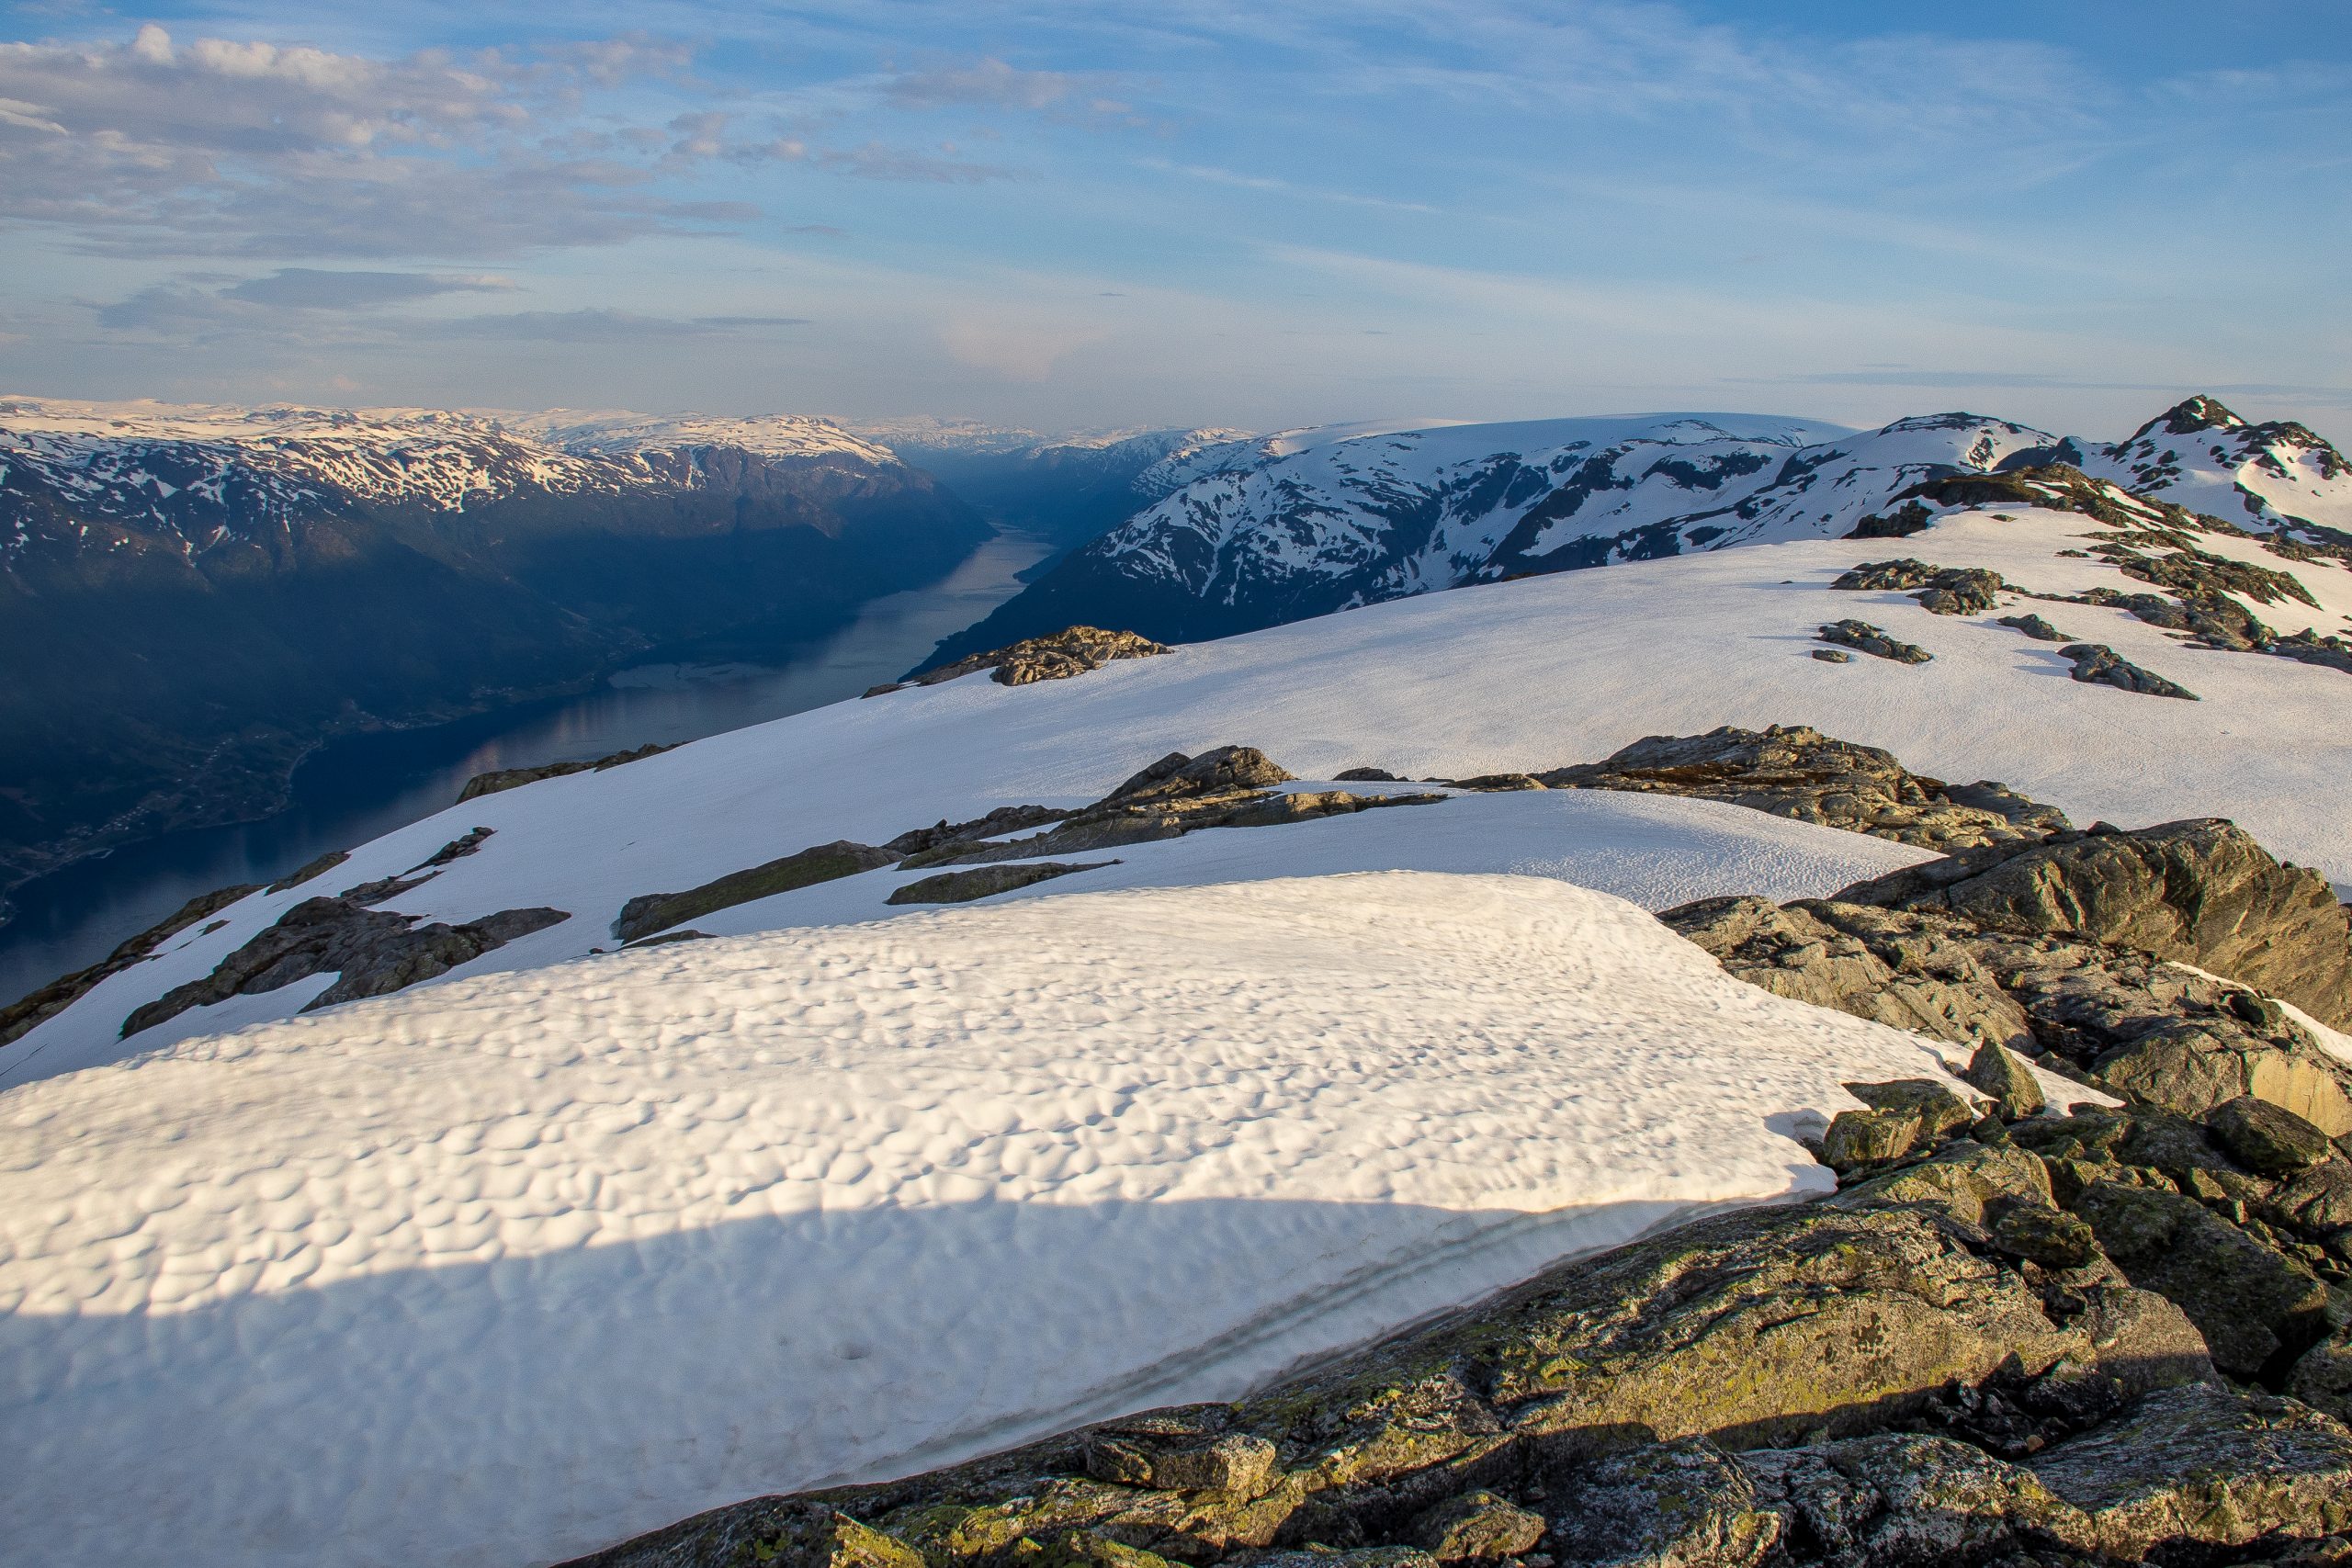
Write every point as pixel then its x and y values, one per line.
pixel 570 1242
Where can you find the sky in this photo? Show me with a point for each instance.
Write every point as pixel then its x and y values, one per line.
pixel 1073 214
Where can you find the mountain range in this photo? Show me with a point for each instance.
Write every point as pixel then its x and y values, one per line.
pixel 192 597
pixel 1253 533
pixel 1767 1056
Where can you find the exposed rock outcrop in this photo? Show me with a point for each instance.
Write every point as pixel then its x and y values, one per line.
pixel 318 867
pixel 1796 772
pixel 1072 651
pixel 2200 891
pixel 650 912
pixel 371 952
pixel 2099 665
pixel 499 779
pixel 1864 637
pixel 1229 787
pixel 27 1012
pixel 1942 590
pixel 2035 628
pixel 388 887
pixel 963 886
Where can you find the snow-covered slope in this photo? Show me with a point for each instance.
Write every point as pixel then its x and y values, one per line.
pixel 2200 456
pixel 511 1269
pixel 1531 674
pixel 623 435
pixel 572 1242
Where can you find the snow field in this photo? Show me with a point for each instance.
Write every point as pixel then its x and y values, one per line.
pixel 1521 675
pixel 498 1270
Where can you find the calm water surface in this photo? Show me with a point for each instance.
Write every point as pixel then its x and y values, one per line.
pixel 356 789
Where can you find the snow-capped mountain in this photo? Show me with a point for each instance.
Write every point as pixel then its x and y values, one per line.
pixel 908 1130
pixel 1309 521
pixel 2200 456
pixel 193 595
pixel 1257 532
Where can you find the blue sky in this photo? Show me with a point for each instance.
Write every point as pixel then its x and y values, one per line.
pixel 1191 212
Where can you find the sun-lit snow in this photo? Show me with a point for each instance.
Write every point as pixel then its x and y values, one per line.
pixel 501 1270
pixel 1532 674
pixel 2204 457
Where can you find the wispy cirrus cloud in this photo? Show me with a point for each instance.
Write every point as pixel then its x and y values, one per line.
pixel 315 289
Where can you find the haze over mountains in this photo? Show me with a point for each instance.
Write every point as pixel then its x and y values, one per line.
pixel 194 596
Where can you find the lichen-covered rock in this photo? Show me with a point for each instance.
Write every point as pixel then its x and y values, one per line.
pixel 1146 1454
pixel 1964 1178
pixel 2013 1089
pixel 2257 1308
pixel 1071 651
pixel 2099 665
pixel 372 952
pixel 1478 1526
pixel 2205 1465
pixel 2200 891
pixel 2051 1238
pixel 1904 1500
pixel 1681 1505
pixel 1907 971
pixel 1857 1140
pixel 1864 637
pixel 2192 1068
pixel 2267 1139
pixel 784 1531
pixel 1796 772
pixel 1937 1109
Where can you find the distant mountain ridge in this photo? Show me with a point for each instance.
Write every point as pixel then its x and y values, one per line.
pixel 1259 532
pixel 192 596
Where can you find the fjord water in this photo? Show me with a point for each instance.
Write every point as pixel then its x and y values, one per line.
pixel 360 787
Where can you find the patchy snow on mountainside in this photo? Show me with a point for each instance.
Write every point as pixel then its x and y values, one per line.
pixel 258 466
pixel 505 1269
pixel 1405 513
pixel 623 434
pixel 2200 456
